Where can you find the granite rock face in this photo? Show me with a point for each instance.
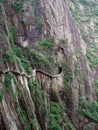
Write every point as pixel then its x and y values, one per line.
pixel 48 64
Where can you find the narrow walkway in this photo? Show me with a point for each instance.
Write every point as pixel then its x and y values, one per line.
pixel 31 75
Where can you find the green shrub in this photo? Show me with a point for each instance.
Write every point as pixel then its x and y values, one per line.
pixel 84 35
pixel 25 63
pixel 40 60
pixel 45 45
pixel 94 36
pixel 95 11
pixel 35 4
pixel 37 89
pixel 9 58
pixel 44 107
pixel 54 121
pixel 7 81
pixel 96 81
pixel 92 48
pixel 1 95
pixel 92 58
pixel 85 19
pixel 26 22
pixel 14 94
pixel 35 123
pixel 13 32
pixel 89 110
pixel 24 119
pixel 30 85
pixel 26 66
pixel 38 22
pixel 64 40
pixel 85 2
pixel 67 74
pixel 55 108
pixel 18 6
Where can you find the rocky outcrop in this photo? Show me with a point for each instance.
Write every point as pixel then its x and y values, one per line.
pixel 45 64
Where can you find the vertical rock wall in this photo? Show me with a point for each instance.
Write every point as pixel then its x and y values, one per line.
pixel 43 102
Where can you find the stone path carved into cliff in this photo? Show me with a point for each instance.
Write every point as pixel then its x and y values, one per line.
pixel 31 75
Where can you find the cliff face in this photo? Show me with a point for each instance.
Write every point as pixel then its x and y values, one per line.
pixel 48 65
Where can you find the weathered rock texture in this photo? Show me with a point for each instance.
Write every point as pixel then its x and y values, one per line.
pixel 45 64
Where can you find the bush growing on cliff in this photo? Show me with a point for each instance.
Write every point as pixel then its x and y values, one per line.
pixel 25 63
pixel 85 19
pixel 7 81
pixel 64 40
pixel 13 33
pixel 18 6
pixel 34 123
pixel 95 11
pixel 54 117
pixel 9 58
pixel 67 74
pixel 91 57
pixel 40 60
pixel 35 4
pixel 24 119
pixel 84 35
pixel 1 95
pixel 84 2
pixel 45 45
pixel 89 110
pixel 37 89
pixel 44 106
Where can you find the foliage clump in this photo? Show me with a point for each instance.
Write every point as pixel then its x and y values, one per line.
pixel 91 57
pixel 7 81
pixel 9 57
pixel 64 40
pixel 24 119
pixel 85 19
pixel 18 6
pixel 54 117
pixel 40 61
pixel 45 45
pixel 1 95
pixel 89 110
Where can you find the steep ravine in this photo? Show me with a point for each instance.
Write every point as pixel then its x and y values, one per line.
pixel 48 65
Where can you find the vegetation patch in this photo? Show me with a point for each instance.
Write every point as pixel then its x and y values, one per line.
pixel 25 63
pixel 7 81
pixel 91 55
pixel 67 74
pixel 89 110
pixel 24 119
pixel 85 19
pixel 64 40
pixel 85 2
pixel 38 22
pixel 35 4
pixel 18 6
pixel 45 45
pixel 37 90
pixel 9 58
pixel 12 33
pixel 54 117
pixel 44 107
pixel 84 35
pixel 1 95
pixel 40 60
pixel 35 123
pixel 95 10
